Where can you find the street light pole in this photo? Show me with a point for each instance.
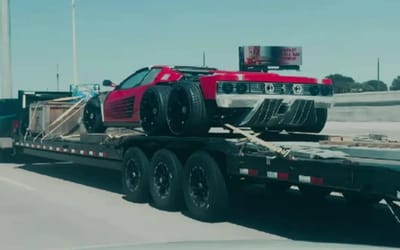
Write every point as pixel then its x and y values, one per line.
pixel 74 49
pixel 6 87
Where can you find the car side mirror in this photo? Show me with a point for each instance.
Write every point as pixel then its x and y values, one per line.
pixel 109 83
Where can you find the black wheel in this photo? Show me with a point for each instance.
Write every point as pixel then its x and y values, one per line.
pixel 153 108
pixel 204 188
pixel 92 118
pixel 314 193
pixel 166 180
pixel 135 175
pixel 186 113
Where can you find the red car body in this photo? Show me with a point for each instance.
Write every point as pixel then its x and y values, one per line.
pixel 230 96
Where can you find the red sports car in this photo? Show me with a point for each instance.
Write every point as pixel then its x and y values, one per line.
pixel 182 100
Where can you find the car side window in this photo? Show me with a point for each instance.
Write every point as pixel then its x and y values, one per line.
pixel 151 76
pixel 134 80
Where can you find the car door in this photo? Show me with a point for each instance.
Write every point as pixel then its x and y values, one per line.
pixel 119 104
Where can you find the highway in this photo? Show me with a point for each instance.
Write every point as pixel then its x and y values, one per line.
pixel 66 206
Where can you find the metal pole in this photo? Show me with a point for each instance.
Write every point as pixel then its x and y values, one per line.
pixel 378 70
pixel 58 78
pixel 6 88
pixel 74 49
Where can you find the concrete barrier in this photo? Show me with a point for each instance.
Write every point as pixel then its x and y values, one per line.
pixel 367 99
pixel 366 107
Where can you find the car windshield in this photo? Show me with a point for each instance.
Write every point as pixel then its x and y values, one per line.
pixel 224 124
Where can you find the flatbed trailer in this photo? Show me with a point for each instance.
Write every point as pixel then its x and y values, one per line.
pixel 200 172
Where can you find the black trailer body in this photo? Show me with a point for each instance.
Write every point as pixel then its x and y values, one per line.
pixel 309 164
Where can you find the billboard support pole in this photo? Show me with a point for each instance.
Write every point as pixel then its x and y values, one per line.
pixel 6 87
pixel 74 47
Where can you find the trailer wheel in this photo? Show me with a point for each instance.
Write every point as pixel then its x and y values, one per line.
pixel 92 118
pixel 204 187
pixel 312 192
pixel 166 180
pixel 135 175
pixel 153 108
pixel 186 113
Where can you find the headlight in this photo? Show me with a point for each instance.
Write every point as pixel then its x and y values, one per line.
pixel 227 87
pixel 297 89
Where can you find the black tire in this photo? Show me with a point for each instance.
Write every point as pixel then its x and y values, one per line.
pixel 166 180
pixel 314 192
pixel 153 109
pixel 204 188
pixel 92 118
pixel 135 175
pixel 186 113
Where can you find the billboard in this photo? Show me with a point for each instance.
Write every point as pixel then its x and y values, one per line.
pixel 264 56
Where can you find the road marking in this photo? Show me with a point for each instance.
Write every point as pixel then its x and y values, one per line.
pixel 16 183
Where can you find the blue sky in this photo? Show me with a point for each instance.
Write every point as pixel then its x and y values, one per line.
pixel 116 37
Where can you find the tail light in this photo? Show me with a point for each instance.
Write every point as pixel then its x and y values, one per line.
pixel 326 90
pixel 227 88
pixel 314 90
pixel 270 88
pixel 297 89
pixel 241 88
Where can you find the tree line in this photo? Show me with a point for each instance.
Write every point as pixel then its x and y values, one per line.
pixel 346 84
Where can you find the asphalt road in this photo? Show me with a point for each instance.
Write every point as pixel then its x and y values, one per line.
pixel 64 206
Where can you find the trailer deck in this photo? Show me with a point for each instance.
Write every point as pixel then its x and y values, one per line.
pixel 315 163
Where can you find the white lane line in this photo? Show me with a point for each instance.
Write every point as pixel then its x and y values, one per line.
pixel 16 183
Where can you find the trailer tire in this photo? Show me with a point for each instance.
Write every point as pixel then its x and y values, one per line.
pixel 165 177
pixel 153 109
pixel 204 188
pixel 135 175
pixel 92 118
pixel 186 113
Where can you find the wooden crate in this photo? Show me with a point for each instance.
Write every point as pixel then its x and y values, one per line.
pixel 43 114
